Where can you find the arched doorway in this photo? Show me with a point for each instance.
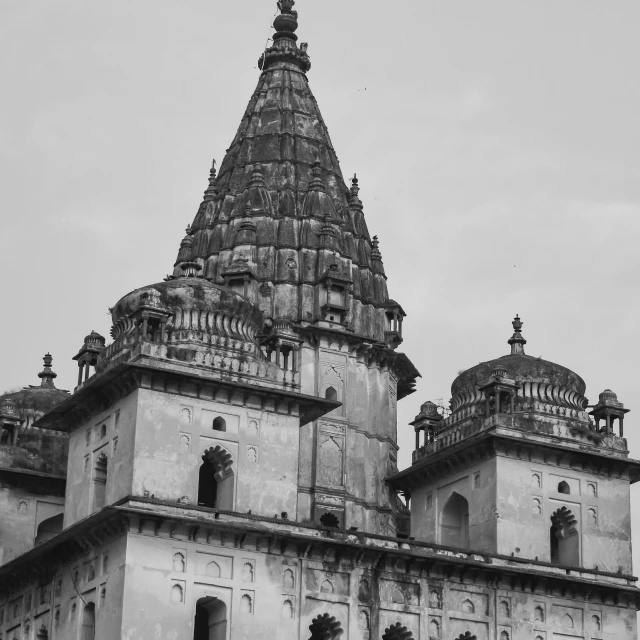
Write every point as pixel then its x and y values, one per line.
pixel 88 631
pixel 454 522
pixel 210 622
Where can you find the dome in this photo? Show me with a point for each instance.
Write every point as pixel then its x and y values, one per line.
pixel 226 312
pixel 29 403
pixel 539 379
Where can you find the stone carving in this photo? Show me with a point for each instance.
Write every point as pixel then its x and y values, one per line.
pixel 330 460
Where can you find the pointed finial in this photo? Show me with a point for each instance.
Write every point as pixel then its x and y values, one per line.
pixel 516 341
pixel 316 183
pixel 286 6
pixel 375 251
pixel 188 230
pixel 355 189
pixel 47 375
pixel 211 191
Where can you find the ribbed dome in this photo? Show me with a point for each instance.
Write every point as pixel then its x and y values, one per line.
pixel 522 368
pixel 29 403
pixel 539 381
pixel 219 309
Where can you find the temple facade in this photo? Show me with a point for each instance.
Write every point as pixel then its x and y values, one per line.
pixel 226 467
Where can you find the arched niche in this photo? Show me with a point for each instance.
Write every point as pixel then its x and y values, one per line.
pixel 454 522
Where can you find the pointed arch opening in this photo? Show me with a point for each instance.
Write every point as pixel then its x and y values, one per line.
pixel 331 394
pixel 88 630
pixel 210 620
pixel 563 487
pixel 564 541
pixel 216 479
pixel 454 522
pixel 49 528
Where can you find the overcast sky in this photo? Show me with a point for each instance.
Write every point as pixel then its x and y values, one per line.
pixel 497 145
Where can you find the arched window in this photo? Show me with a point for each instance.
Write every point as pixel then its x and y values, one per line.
pixel 213 569
pixel 563 487
pixel 564 539
pixel 539 614
pixel 216 479
pixel 397 632
pixel 219 424
pixel 595 623
pixel 88 622
pixel 49 528
pixel 100 482
pixel 331 394
pixel 454 522
pixel 325 627
pixel 210 619
pixel 434 630
pixel 504 635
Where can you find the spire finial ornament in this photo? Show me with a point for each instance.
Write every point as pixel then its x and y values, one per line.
pixel 211 191
pixel 284 48
pixel 516 341
pixel 47 375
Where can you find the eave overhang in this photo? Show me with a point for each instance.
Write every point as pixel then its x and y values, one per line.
pixel 485 443
pixel 96 394
pixel 150 516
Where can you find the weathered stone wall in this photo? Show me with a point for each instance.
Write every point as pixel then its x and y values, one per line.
pixel 511 502
pixel 528 496
pixel 345 455
pixel 477 485
pixel 110 433
pixel 56 604
pixel 173 432
pixel 156 449
pixel 22 511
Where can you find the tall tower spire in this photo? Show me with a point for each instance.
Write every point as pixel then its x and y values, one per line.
pixel 279 226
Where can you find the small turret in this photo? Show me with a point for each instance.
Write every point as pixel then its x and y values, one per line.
pixel 87 357
pixel 609 409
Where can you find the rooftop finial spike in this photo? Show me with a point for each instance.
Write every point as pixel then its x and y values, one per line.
pixel 47 375
pixel 516 341
pixel 211 191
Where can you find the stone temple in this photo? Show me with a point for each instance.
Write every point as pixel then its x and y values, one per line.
pixel 226 468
